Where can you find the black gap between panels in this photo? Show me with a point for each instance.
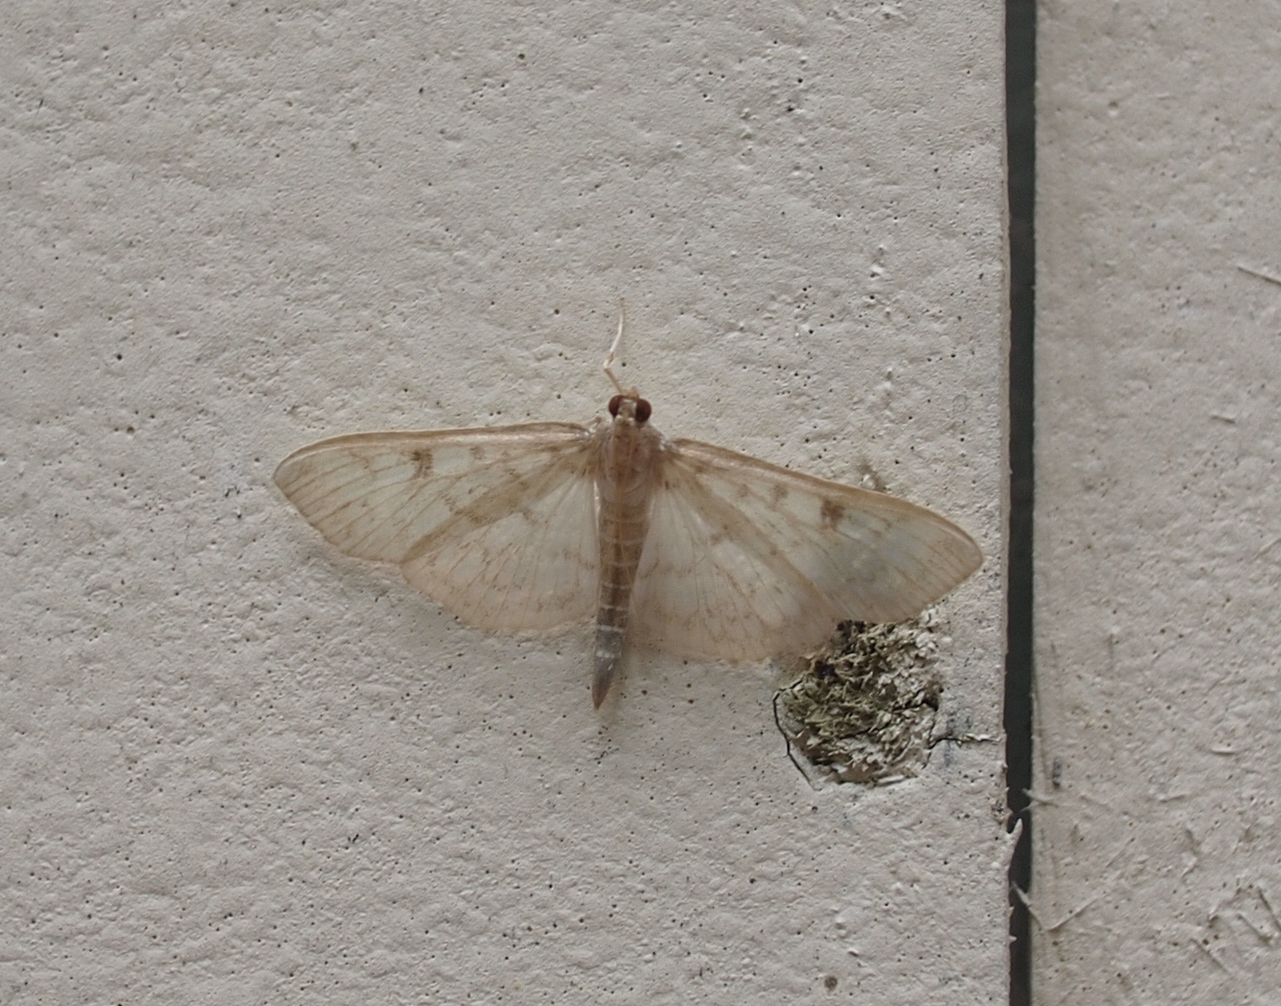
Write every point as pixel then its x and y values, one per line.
pixel 1020 126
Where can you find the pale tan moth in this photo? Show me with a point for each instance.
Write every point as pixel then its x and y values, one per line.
pixel 674 545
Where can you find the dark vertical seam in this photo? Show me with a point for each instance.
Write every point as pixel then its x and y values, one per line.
pixel 1020 125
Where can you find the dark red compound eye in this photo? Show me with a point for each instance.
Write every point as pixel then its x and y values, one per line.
pixel 614 403
pixel 642 410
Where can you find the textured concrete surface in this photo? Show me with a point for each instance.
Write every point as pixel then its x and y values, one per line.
pixel 239 767
pixel 1158 853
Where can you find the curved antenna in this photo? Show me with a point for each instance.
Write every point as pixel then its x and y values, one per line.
pixel 608 365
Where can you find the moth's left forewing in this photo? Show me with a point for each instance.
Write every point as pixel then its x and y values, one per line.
pixel 746 559
pixel 495 524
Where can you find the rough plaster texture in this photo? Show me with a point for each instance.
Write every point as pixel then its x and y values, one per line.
pixel 1158 535
pixel 239 767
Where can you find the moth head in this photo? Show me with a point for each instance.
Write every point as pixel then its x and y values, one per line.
pixel 630 406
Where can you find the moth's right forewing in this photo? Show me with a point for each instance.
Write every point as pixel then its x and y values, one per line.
pixel 747 560
pixel 496 524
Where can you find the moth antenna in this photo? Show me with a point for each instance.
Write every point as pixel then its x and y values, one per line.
pixel 607 366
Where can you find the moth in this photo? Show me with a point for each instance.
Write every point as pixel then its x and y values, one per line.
pixel 673 545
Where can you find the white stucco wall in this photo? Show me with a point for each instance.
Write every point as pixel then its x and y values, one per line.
pixel 239 767
pixel 1157 848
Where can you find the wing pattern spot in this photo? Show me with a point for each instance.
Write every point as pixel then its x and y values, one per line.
pixel 832 513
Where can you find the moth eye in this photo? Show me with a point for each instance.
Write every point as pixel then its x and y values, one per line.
pixel 614 403
pixel 642 410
